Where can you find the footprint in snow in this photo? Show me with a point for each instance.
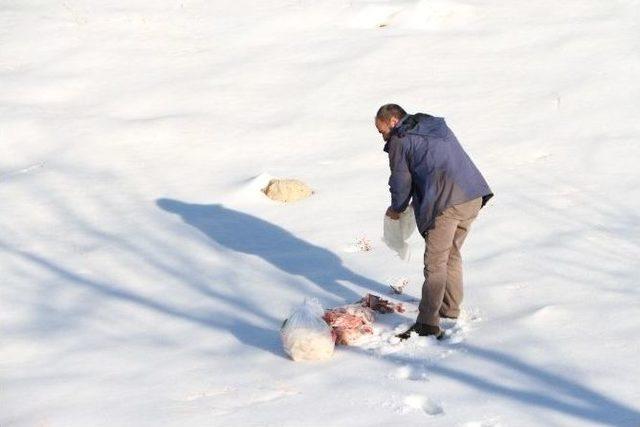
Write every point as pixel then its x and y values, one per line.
pixel 411 373
pixel 455 330
pixel 416 402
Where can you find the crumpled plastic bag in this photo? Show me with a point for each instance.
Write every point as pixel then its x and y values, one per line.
pixel 305 335
pixel 396 232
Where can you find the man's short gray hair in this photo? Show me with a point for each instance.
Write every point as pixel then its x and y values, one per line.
pixel 387 111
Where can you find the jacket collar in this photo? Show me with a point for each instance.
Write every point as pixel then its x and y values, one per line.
pixel 394 131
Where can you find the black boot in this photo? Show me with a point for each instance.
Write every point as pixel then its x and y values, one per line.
pixel 423 330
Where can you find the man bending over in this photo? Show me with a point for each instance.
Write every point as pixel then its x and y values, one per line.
pixel 430 167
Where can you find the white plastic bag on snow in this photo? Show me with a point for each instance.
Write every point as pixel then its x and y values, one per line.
pixel 305 335
pixel 396 232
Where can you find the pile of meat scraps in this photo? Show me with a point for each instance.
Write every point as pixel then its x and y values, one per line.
pixel 351 322
pixel 380 305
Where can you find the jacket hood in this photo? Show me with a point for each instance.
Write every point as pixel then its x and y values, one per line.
pixel 421 124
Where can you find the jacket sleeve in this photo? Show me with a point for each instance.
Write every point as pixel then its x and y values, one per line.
pixel 400 179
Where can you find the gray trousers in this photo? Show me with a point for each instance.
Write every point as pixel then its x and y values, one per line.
pixel 442 289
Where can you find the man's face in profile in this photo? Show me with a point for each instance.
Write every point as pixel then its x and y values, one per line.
pixel 385 127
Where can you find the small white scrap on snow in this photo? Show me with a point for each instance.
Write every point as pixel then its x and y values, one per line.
pixel 397 287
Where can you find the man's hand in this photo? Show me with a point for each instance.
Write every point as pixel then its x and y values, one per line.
pixel 392 214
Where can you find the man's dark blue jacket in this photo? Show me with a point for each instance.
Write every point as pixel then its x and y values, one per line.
pixel 429 165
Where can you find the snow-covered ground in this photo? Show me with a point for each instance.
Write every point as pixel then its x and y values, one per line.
pixel 144 276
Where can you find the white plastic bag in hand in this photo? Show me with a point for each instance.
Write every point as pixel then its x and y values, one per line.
pixel 396 232
pixel 305 335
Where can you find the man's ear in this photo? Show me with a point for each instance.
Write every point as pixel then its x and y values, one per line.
pixel 393 121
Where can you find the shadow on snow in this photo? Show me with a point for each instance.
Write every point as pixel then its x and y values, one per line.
pixel 247 234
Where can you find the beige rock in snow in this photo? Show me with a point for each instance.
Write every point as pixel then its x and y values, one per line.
pixel 287 190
